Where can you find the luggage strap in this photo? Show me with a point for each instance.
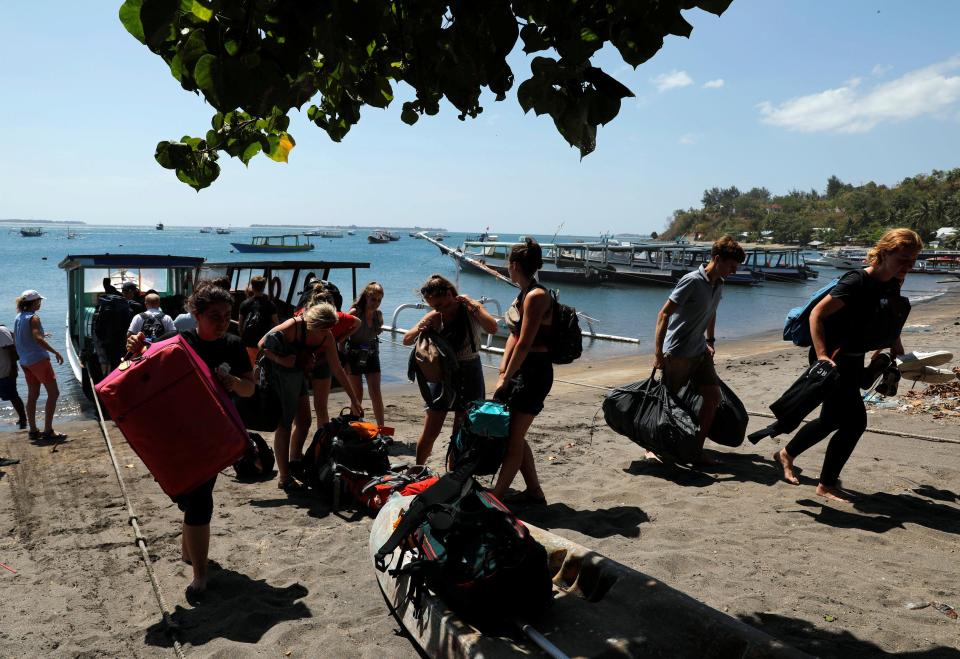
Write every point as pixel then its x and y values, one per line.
pixel 449 488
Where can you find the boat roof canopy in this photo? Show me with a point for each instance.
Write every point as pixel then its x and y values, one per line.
pixel 73 261
pixel 290 265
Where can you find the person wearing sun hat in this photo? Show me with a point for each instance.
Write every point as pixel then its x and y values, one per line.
pixel 32 347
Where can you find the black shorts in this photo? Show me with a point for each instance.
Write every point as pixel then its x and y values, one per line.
pixel 8 388
pixel 529 386
pixel 197 504
pixel 355 357
pixel 467 382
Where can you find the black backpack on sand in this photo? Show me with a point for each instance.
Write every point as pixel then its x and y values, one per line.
pixel 345 442
pixel 257 462
pixel 472 552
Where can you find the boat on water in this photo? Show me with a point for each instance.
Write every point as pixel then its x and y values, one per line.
pixel 600 608
pixel 159 226
pixel 351 232
pixel 221 231
pixel 72 235
pixel 562 262
pixel 938 262
pixel 780 264
pixel 378 237
pixel 173 278
pixel 206 230
pixel 31 232
pixel 274 244
pixel 392 235
pixel 842 258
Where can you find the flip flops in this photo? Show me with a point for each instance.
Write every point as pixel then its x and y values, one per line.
pixel 292 487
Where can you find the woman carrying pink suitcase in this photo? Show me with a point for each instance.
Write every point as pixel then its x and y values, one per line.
pixel 211 306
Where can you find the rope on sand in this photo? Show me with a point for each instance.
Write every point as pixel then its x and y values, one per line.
pixel 766 415
pixel 140 541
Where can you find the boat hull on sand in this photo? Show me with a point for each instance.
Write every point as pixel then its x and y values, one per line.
pixel 600 608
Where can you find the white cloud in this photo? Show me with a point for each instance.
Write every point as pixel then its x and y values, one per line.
pixel 714 84
pixel 931 90
pixel 673 80
pixel 688 138
pixel 881 70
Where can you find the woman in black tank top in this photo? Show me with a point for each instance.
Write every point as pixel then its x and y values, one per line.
pixel 526 372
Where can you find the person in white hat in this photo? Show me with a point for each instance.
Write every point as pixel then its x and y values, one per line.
pixel 32 347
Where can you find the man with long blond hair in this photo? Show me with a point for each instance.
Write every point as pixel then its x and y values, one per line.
pixel 864 312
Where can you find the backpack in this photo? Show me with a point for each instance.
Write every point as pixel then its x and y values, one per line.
pixel 796 326
pixel 326 286
pixel 373 493
pixel 471 551
pixel 152 327
pixel 247 467
pixel 345 442
pixel 253 324
pixel 566 341
pixel 433 361
pixel 481 441
pixel 111 320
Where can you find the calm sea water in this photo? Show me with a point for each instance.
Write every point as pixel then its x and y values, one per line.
pixel 400 266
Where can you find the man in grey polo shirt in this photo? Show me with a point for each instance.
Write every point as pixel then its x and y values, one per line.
pixel 685 331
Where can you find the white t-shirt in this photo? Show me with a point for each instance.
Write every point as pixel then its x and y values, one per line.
pixel 6 340
pixel 137 323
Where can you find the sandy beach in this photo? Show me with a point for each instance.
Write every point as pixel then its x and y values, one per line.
pixel 294 580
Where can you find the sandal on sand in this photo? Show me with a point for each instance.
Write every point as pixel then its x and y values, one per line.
pixel 34 434
pixel 53 436
pixel 291 486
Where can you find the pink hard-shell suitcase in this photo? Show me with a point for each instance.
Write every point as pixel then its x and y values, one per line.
pixel 175 414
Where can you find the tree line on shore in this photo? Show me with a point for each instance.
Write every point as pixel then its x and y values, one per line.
pixel 842 214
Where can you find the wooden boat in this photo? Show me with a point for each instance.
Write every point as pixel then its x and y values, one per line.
pixel 392 235
pixel 31 232
pixel 159 226
pixel 172 277
pixel 222 232
pixel 378 237
pixel 601 608
pixel 560 261
pixel 274 244
pixel 785 264
pixel 206 230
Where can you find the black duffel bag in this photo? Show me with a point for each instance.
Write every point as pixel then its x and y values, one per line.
pixel 803 396
pixel 650 415
pixel 729 425
pixel 261 411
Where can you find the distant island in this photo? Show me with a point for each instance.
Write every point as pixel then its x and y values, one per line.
pixel 42 222
pixel 840 214
pixel 343 226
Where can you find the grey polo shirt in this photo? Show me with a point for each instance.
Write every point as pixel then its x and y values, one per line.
pixel 697 301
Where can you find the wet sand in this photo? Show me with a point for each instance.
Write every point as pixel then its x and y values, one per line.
pixel 294 579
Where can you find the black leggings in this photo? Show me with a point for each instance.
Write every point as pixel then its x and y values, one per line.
pixel 842 412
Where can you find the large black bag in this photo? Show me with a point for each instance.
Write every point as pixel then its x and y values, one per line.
pixel 803 396
pixel 650 415
pixel 257 462
pixel 730 421
pixel 345 442
pixel 566 340
pixel 472 552
pixel 111 320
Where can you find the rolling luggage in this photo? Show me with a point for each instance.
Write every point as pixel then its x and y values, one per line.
pixel 175 415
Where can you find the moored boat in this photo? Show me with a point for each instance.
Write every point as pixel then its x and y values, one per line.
pixel 601 608
pixel 206 230
pixel 378 237
pixel 843 258
pixel 31 232
pixel 159 226
pixel 274 244
pixel 223 232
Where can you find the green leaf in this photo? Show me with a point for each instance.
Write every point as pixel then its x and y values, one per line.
pixel 157 18
pixel 200 11
pixel 130 18
pixel 250 151
pixel 586 34
pixel 173 155
pixel 409 115
pixel 209 78
pixel 280 147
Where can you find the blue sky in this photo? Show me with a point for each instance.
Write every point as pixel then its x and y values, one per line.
pixel 773 93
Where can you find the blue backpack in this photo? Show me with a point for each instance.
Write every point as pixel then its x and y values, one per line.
pixel 481 441
pixel 796 326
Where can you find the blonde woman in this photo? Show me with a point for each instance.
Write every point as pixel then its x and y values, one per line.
pixel 864 312
pixel 290 347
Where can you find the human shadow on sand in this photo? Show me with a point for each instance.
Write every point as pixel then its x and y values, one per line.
pixel 838 642
pixel 732 468
pixel 316 505
pixel 601 523
pixel 881 512
pixel 235 607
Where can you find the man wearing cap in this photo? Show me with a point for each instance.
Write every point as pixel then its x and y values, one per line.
pixel 32 347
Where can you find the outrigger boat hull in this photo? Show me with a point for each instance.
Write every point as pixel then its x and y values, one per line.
pixel 245 248
pixel 601 608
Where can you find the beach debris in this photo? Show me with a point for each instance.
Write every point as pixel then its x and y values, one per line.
pixel 946 610
pixel 913 606
pixel 829 618
pixel 7 567
pixel 129 466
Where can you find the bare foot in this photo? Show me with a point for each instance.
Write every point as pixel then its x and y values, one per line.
pixel 783 458
pixel 650 455
pixel 832 493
